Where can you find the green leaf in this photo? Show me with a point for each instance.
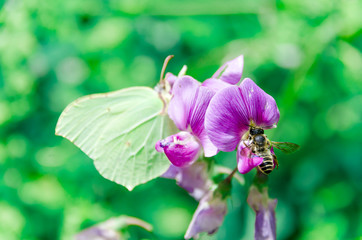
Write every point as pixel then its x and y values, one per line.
pixel 119 130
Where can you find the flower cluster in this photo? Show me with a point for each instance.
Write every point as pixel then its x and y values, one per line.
pixel 187 108
pixel 213 116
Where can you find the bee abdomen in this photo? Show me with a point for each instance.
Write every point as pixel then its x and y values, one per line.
pixel 267 165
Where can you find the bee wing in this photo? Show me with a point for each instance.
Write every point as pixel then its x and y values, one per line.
pixel 286 147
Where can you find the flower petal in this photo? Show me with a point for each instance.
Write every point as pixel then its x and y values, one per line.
pixel 265 224
pixel 184 91
pixel 208 216
pixel 194 179
pixel 262 108
pixel 197 119
pixel 246 160
pixel 215 84
pixel 226 119
pixel 98 232
pixel 209 148
pixel 231 71
pixel 182 149
pixel 171 79
pixel 171 172
pixel 233 109
pixel 197 114
pixel 187 109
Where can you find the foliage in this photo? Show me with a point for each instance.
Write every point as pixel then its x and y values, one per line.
pixel 304 53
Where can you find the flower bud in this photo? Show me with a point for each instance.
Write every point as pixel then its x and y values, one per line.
pixel 182 149
pixel 209 215
pixel 264 207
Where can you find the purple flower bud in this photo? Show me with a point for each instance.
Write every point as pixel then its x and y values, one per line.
pixel 182 149
pixel 108 230
pixel 208 216
pixel 264 207
pixel 194 179
pixel 97 233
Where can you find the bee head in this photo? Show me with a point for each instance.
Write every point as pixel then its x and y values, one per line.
pixel 256 131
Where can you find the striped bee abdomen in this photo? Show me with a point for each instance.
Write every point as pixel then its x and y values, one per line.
pixel 267 165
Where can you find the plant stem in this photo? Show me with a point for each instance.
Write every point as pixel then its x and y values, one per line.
pixel 224 187
pixel 228 178
pixel 260 180
pixel 165 63
pixel 226 170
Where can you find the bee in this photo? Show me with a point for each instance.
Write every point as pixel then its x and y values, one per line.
pixel 260 145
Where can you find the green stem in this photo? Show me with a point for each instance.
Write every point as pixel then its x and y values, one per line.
pixel 260 180
pixel 226 170
pixel 224 187
pixel 228 178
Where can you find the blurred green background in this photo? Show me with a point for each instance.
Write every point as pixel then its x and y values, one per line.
pixel 305 53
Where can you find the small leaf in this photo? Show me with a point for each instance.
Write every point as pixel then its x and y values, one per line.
pixel 119 130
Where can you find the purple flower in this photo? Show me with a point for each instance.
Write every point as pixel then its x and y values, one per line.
pixel 232 111
pixel 109 230
pixel 208 216
pixel 194 179
pixel 98 232
pixel 265 224
pixel 187 110
pixel 228 74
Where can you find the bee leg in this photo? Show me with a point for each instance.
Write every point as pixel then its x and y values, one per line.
pixel 268 144
pixel 276 160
